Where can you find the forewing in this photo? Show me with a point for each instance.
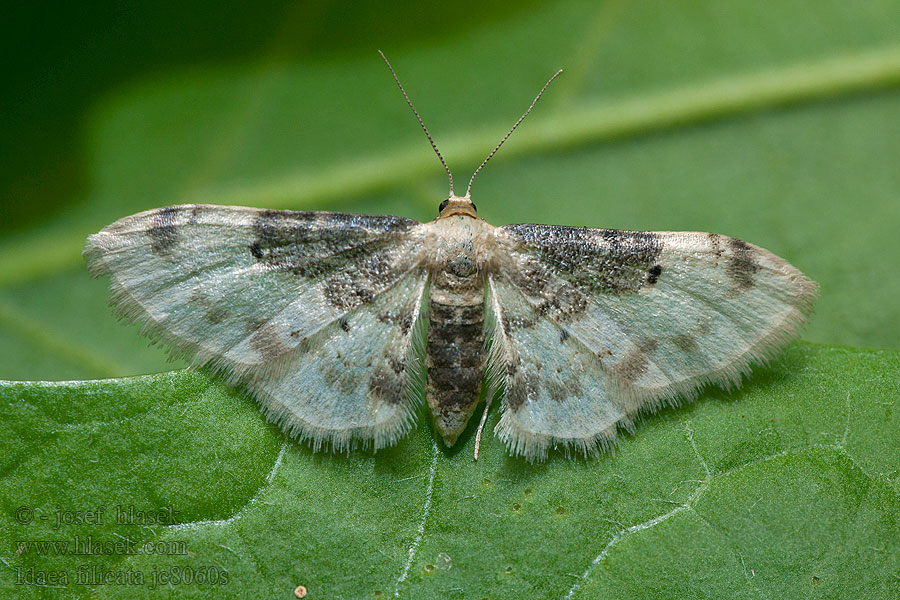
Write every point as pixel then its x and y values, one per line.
pixel 651 316
pixel 247 292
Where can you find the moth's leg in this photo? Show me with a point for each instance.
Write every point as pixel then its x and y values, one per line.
pixel 487 405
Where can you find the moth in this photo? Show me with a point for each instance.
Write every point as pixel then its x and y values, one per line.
pixel 341 324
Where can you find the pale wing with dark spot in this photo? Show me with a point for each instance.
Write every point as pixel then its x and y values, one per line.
pixel 249 292
pixel 648 317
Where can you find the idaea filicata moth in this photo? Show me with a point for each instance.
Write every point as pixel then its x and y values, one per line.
pixel 341 325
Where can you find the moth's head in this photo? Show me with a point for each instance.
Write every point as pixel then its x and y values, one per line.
pixel 457 205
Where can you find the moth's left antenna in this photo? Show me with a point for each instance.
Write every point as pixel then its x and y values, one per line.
pixel 422 123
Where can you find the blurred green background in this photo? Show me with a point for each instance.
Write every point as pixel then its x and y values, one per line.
pixel 774 122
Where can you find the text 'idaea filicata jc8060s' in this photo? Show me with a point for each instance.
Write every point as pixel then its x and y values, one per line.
pixel 341 324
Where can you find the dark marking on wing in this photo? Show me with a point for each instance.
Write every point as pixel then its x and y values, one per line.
pixel 163 233
pixel 344 324
pixel 505 322
pixel 563 335
pixel 607 261
pixel 653 274
pixel 318 244
pixel 396 364
pixel 635 362
pixel 558 299
pixel 648 345
pixel 684 342
pixel 216 314
pixel 715 241
pixel 339 376
pixel 513 366
pixel 631 367
pixel 742 264
pixel 520 386
pixel 347 293
pixel 603 354
pixel 401 318
pixel 565 303
pixel 359 283
pixel 516 322
pixel 406 322
pixel 270 233
pixel 387 385
pixel 531 277
pixel 267 342
pixel 556 390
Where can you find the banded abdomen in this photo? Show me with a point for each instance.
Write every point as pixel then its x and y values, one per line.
pixel 455 353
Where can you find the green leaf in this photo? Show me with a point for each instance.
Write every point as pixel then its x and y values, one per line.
pixel 788 488
pixel 776 124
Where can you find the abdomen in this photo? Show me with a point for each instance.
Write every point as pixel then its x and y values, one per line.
pixel 455 354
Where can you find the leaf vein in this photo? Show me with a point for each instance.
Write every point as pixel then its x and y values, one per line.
pixel 420 532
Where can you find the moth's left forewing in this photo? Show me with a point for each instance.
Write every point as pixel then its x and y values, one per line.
pixel 643 318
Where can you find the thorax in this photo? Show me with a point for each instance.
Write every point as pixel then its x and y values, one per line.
pixel 460 253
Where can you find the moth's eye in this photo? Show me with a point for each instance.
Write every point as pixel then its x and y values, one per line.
pixel 443 205
pixel 475 208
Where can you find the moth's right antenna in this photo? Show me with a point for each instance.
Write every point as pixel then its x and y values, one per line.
pixel 425 129
pixel 509 133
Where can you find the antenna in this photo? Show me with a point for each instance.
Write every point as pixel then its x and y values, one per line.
pixel 508 133
pixel 425 129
